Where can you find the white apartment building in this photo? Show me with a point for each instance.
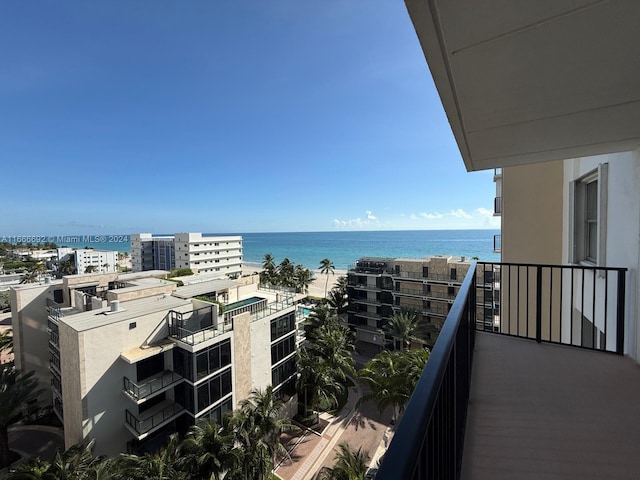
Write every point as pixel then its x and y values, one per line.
pixel 101 261
pixel 216 255
pixel 131 358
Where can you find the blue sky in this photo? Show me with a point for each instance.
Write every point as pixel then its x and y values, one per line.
pixel 224 116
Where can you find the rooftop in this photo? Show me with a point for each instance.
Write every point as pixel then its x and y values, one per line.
pixel 129 310
pixel 201 288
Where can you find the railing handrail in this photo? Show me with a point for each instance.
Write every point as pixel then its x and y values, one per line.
pixel 403 453
pixel 552 265
pixel 572 305
pixel 154 385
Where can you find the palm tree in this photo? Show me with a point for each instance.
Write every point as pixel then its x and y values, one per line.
pixel 336 345
pixel 68 267
pixel 6 341
pixel 286 273
pixel 391 377
pixel 403 326
pixel 75 463
pixel 326 268
pixel 337 300
pixel 303 278
pixel 319 316
pixel 90 269
pixel 209 448
pixel 257 426
pixel 32 469
pixel 319 383
pixel 16 390
pixel 167 464
pixel 269 269
pixel 29 277
pixel 349 465
pixel 342 284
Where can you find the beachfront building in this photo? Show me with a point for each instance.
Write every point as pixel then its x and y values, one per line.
pixel 129 358
pixel 216 255
pixel 91 261
pixel 557 111
pixel 427 287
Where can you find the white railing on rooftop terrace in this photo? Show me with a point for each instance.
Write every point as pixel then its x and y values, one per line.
pixel 272 308
pixel 194 338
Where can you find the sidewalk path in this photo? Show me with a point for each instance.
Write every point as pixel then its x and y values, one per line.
pixel 360 428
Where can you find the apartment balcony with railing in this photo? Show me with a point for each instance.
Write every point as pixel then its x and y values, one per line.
pixel 426 294
pixel 202 324
pixel 147 422
pixel 150 387
pixel 497 243
pixel 369 267
pixel 546 394
pixel 430 277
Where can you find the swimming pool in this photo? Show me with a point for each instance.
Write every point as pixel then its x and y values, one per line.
pixel 242 303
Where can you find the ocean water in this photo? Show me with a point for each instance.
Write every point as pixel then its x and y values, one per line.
pixel 342 248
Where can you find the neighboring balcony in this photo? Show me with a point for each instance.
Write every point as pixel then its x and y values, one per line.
pixel 550 394
pixel 151 420
pixel 430 277
pixel 151 386
pixel 497 243
pixel 497 206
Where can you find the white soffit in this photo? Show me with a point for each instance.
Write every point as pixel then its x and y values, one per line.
pixel 532 81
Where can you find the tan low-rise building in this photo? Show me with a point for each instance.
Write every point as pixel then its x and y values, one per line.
pixel 131 358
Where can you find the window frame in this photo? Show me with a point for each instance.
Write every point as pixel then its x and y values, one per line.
pixel 588 223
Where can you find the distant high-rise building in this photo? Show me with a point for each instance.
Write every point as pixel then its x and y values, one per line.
pixel 221 255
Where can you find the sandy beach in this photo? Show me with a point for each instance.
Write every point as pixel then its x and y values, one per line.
pixel 316 289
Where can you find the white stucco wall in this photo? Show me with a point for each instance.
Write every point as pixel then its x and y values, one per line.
pixel 623 226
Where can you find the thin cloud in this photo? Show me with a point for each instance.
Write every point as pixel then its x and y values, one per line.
pixel 431 216
pixel 358 223
pixel 459 213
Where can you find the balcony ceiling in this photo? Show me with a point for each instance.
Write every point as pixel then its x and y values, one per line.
pixel 530 81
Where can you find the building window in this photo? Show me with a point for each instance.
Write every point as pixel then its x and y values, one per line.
pixel 589 206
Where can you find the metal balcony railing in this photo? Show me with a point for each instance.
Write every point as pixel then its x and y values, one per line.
pixel 497 205
pixel 497 243
pixel 150 387
pixel 574 305
pixel 577 305
pixel 428 441
pixel 436 277
pixel 152 418
pixel 423 294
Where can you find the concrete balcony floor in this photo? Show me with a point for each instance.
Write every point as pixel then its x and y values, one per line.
pixel 541 411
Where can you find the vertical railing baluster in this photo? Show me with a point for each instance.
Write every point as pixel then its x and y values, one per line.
pixel 593 310
pixel 571 309
pixel 620 313
pixel 561 269
pixel 551 270
pixel 538 304
pixel 606 306
pixel 582 311
pixel 527 299
pixel 518 302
